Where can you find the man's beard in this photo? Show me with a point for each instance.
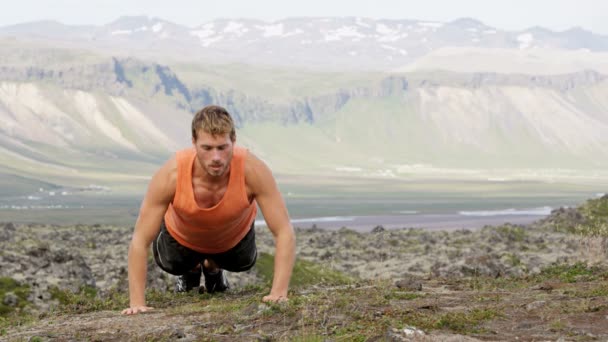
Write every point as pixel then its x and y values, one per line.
pixel 216 171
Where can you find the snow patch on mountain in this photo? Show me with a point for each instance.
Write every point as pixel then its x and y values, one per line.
pixel 525 40
pixel 385 30
pixel 343 32
pixel 157 27
pixel 431 24
pixel 272 30
pixel 204 31
pixel 121 32
pixel 235 28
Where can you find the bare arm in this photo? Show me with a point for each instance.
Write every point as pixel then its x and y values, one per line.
pixel 160 193
pixel 264 188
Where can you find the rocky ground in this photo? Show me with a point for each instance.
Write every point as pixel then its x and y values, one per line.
pixel 417 272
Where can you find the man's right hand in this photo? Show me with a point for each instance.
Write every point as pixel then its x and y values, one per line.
pixel 136 309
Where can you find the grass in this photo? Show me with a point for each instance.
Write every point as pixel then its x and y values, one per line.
pixel 465 322
pixel 512 233
pixel 572 273
pixel 594 213
pixel 304 273
pixel 13 315
pixel 326 304
pixel 563 272
pixel 596 291
pixel 19 292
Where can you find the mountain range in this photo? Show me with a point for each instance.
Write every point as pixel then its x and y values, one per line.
pixel 311 96
pixel 350 43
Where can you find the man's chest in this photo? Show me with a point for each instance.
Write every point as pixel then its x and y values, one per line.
pixel 208 195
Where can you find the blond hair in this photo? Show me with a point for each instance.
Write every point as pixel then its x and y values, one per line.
pixel 214 120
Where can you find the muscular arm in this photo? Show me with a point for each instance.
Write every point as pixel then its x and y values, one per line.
pixel 262 185
pixel 156 201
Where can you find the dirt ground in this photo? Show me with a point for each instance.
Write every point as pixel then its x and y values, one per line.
pixel 443 310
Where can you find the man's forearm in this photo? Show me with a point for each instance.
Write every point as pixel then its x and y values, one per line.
pixel 283 262
pixel 138 266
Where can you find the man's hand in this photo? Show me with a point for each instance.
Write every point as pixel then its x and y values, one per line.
pixel 275 298
pixel 136 309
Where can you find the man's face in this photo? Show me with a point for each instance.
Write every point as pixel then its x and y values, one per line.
pixel 214 152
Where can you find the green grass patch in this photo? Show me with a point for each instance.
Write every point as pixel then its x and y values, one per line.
pixel 598 291
pixel 402 295
pixel 595 209
pixel 13 315
pixel 595 212
pixel 309 337
pixel 463 322
pixel 10 289
pixel 512 233
pixel 593 229
pixel 88 300
pixel 487 283
pixel 571 273
pixel 304 272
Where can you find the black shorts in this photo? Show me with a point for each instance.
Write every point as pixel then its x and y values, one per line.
pixel 176 259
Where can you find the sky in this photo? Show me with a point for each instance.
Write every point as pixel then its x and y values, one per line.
pixel 556 15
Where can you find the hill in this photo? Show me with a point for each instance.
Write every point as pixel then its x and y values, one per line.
pixel 544 281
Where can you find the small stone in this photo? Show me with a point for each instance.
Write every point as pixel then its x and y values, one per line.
pixel 525 325
pixel 409 284
pixel 178 333
pixel 412 331
pixel 544 287
pixel 535 305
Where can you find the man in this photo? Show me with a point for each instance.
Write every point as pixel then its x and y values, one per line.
pixel 199 210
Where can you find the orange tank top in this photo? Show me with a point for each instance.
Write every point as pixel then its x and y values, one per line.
pixel 216 229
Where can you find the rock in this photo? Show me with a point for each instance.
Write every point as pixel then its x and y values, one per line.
pixel 8 232
pixel 406 334
pixel 525 325
pixel 544 287
pixel 409 284
pixel 535 305
pixel 412 331
pixel 10 299
pixel 378 229
pixel 177 334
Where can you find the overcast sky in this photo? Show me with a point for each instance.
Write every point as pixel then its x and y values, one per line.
pixel 503 14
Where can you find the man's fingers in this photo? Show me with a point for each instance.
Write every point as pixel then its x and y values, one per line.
pixel 271 298
pixel 135 310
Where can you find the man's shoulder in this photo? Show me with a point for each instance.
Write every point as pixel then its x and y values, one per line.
pixel 257 173
pixel 251 161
